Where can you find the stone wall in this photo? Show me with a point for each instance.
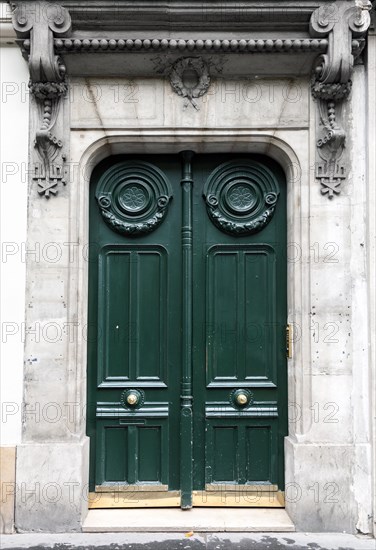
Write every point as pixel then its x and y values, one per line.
pixel 327 451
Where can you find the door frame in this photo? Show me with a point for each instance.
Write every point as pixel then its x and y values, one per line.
pixel 91 147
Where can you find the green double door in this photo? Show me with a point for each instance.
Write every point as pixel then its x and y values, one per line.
pixel 187 399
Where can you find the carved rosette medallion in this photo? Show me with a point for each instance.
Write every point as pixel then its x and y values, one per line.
pixel 133 197
pixel 241 197
pixel 189 78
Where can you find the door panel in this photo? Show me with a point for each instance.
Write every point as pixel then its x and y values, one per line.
pixel 153 275
pixel 239 452
pixel 125 456
pixel 240 286
pixel 133 299
pixel 259 453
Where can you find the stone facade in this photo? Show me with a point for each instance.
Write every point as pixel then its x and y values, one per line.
pixel 114 91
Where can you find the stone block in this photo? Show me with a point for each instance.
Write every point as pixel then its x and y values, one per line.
pixel 7 484
pixel 52 485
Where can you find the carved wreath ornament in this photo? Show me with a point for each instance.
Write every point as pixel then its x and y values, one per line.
pixel 189 78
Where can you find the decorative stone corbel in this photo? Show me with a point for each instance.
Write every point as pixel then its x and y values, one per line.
pixel 341 22
pixel 41 22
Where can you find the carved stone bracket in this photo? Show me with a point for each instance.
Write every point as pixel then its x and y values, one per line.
pixel 41 22
pixel 331 85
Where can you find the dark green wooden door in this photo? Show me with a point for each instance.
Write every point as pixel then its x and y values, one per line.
pixel 187 315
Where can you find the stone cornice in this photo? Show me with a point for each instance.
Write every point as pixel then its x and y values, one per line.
pixel 192 14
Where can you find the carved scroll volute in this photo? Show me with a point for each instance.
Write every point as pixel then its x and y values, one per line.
pixel 331 84
pixel 41 22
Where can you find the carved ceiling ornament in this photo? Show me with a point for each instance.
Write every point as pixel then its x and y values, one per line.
pixel 189 78
pixel 331 85
pixel 41 22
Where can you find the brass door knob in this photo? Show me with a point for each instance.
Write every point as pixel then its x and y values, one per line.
pixel 132 399
pixel 241 399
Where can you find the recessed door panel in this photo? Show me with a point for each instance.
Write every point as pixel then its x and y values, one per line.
pixel 241 451
pixel 224 347
pixel 133 297
pixel 115 449
pixel 240 313
pixel 259 458
pixel 115 330
pixel 132 454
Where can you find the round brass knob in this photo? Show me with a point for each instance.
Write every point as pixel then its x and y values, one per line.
pixel 241 399
pixel 132 399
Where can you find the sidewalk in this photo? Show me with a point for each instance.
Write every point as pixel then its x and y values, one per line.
pixel 179 541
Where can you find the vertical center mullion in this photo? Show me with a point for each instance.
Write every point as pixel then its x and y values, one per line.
pixel 186 417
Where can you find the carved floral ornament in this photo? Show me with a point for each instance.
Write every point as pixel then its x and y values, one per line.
pixel 337 32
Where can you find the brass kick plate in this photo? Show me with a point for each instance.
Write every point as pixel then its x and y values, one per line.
pixel 238 499
pixel 136 499
pixel 219 498
pixel 146 488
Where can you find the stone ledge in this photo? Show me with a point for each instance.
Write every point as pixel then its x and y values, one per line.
pixel 198 519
